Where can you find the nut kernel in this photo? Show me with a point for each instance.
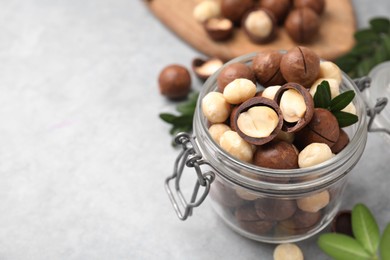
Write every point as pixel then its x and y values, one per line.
pixel 217 130
pixel 239 90
pixel 259 24
pixel 315 202
pixel 206 10
pixel 258 121
pixel 330 70
pixel 232 143
pixel 334 86
pixel 314 153
pixel 288 251
pixel 270 92
pixel 215 108
pixel 292 105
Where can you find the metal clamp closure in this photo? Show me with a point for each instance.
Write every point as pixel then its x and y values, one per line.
pixel 362 84
pixel 191 157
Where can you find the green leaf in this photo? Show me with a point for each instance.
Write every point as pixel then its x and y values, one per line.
pixel 366 36
pixel 322 97
pixel 380 25
pixel 169 118
pixel 365 228
pixel 342 247
pixel 188 107
pixel 361 50
pixel 347 63
pixel 385 244
pixel 345 119
pixel 341 101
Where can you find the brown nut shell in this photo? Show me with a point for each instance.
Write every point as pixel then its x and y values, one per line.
pixel 317 6
pixel 234 71
pixel 300 65
pixel 302 24
pixel 258 101
pixel 174 81
pixel 342 223
pixel 276 155
pixel 266 67
pixel 323 128
pixel 219 28
pixel 279 8
pixel 234 10
pixel 275 209
pixel 341 142
pixel 204 68
pixel 258 21
pixel 295 127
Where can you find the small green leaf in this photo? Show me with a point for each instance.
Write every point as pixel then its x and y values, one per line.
pixel 345 119
pixel 361 50
pixel 169 118
pixel 342 247
pixel 385 244
pixel 366 36
pixel 322 97
pixel 341 101
pixel 380 25
pixel 347 62
pixel 365 228
pixel 188 107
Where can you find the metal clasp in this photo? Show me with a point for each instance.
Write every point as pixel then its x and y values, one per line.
pixel 362 84
pixel 191 157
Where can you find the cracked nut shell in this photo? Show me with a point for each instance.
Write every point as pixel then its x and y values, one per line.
pixel 234 71
pixel 204 68
pixel 309 103
pixel 219 28
pixel 234 10
pixel 279 8
pixel 253 102
pixel 276 155
pixel 302 24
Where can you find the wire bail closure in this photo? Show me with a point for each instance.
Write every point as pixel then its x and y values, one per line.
pixel 191 157
pixel 362 84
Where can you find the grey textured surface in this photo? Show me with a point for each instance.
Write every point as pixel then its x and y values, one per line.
pixel 83 155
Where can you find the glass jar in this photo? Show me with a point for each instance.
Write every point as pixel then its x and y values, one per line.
pixel 267 205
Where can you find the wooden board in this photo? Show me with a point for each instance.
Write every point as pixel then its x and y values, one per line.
pixel 335 37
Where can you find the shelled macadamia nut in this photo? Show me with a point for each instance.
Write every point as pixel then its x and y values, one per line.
pixel 292 105
pixel 174 81
pixel 288 251
pixel 317 6
pixel 302 24
pixel 314 202
pixel 205 10
pixel 219 28
pixel 266 67
pixel 259 25
pixel 234 71
pixel 334 86
pixel 300 65
pixel 239 90
pixel 232 143
pixel 216 131
pixel 330 70
pixel 270 92
pixel 215 107
pixel 313 154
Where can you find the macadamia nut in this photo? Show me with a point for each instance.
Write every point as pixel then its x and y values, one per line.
pixel 288 251
pixel 292 105
pixel 315 202
pixel 259 24
pixel 217 130
pixel 270 91
pixel 258 121
pixel 239 90
pixel 232 143
pixel 330 70
pixel 215 108
pixel 334 86
pixel 205 10
pixel 314 153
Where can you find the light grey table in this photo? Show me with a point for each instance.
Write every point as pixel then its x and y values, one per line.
pixel 83 155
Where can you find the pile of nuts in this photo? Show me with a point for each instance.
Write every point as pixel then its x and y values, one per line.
pixel 260 19
pixel 264 114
